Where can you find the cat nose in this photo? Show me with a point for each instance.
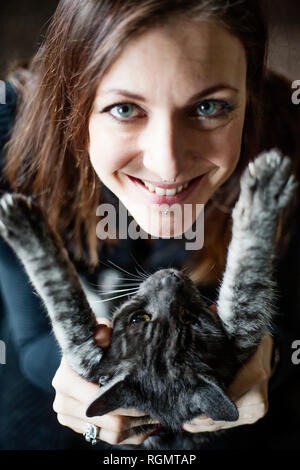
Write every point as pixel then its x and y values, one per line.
pixel 170 280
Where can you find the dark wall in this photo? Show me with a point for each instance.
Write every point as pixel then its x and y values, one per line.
pixel 23 23
pixel 284 53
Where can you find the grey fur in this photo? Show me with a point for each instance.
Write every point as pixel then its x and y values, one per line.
pixel 170 356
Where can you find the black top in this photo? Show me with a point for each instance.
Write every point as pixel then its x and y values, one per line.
pixel 33 355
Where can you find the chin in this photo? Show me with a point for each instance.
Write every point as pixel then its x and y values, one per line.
pixel 166 228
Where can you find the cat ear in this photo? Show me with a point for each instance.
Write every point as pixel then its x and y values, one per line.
pixel 110 398
pixel 213 401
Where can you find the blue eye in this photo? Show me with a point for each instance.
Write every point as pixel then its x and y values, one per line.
pixel 122 110
pixel 212 108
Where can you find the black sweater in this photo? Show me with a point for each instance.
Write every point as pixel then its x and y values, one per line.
pixel 33 355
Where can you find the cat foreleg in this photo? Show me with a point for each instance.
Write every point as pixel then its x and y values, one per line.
pixel 247 295
pixel 23 225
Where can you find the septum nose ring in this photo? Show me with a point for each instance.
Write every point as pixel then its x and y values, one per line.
pixel 166 212
pixel 172 180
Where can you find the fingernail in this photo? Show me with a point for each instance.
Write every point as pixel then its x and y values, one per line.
pixel 251 168
pixel 291 180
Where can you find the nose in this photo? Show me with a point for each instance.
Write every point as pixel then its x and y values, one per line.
pixel 163 148
pixel 170 281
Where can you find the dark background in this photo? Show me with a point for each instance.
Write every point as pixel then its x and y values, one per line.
pixel 24 22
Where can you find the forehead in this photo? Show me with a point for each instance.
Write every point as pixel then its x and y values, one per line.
pixel 183 55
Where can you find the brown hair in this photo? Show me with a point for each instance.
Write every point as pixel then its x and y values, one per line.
pixel 47 154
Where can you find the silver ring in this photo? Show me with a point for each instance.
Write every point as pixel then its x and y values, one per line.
pixel 91 433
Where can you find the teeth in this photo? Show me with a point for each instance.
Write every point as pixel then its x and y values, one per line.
pixel 150 187
pixel 163 191
pixel 171 192
pixel 160 191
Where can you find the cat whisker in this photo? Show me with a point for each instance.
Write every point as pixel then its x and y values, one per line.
pixel 116 291
pixel 122 284
pixel 184 269
pixel 212 335
pixel 96 288
pixel 138 281
pixel 127 285
pixel 208 299
pixel 116 297
pixel 141 274
pixel 121 269
pixel 144 272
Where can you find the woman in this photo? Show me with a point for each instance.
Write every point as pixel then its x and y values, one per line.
pixel 126 99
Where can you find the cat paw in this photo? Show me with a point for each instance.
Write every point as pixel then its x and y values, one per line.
pixel 267 186
pixel 19 218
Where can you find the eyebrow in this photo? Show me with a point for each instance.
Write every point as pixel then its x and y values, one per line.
pixel 197 96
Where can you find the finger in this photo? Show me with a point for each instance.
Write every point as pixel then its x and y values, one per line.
pixel 103 321
pixel 134 419
pixel 83 391
pixel 136 439
pixel 256 394
pixel 70 407
pixel 254 404
pixel 208 426
pixel 67 406
pixel 213 308
pixel 251 407
pixel 249 416
pixel 102 336
pixel 75 387
pixel 254 371
pixel 75 424
pixel 80 426
pixel 128 437
pixel 198 420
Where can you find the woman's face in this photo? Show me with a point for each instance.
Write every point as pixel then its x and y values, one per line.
pixel 171 106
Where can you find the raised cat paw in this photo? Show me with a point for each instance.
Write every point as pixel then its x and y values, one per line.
pixel 20 218
pixel 267 187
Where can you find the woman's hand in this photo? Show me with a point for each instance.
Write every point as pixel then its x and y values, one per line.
pixel 249 391
pixel 74 394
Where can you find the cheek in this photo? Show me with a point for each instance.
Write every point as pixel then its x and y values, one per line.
pixel 109 150
pixel 223 146
pixel 228 145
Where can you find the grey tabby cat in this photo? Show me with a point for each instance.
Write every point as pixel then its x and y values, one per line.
pixel 170 355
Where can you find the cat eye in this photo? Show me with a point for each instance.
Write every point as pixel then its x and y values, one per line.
pixel 140 317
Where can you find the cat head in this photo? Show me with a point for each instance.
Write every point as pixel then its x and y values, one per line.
pixel 169 355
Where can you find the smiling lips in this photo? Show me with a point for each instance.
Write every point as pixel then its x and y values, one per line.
pixel 167 193
pixel 163 191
